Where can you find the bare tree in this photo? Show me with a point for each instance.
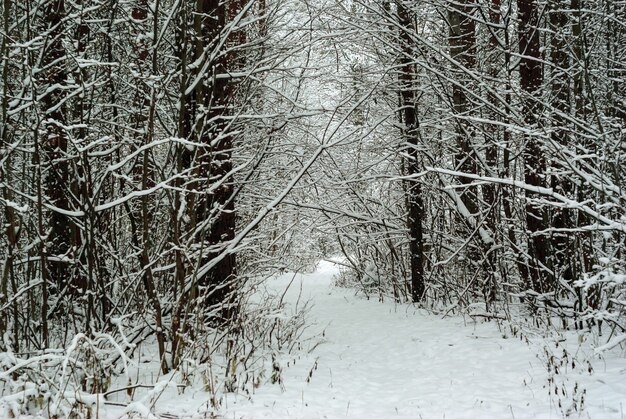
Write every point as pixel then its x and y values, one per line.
pixel 415 202
pixel 531 81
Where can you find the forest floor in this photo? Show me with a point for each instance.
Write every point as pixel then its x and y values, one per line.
pixel 366 359
pixel 384 360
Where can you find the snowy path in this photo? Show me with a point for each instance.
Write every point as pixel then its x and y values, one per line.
pixel 384 360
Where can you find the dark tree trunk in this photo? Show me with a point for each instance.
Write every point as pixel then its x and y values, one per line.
pixel 493 136
pixel 463 49
pixel 182 153
pixel 415 203
pixel 215 208
pixel 83 237
pixel 562 255
pixel 584 242
pixel 462 40
pixel 494 66
pixel 7 275
pixel 54 144
pixel 143 170
pixel 531 77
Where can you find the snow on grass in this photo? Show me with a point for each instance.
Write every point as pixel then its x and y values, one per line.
pixel 377 360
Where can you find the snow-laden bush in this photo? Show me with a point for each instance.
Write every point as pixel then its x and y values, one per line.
pixel 604 291
pixel 60 383
pixel 106 371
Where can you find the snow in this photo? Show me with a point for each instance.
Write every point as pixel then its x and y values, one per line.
pixel 369 359
pixel 379 360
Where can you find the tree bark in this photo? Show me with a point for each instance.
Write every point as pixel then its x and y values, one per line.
pixel 531 78
pixel 562 256
pixel 7 276
pixel 54 145
pixel 214 211
pixel 415 203
pixel 462 39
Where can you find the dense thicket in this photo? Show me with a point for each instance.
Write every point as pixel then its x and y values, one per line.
pixel 159 158
pixel 507 184
pixel 140 146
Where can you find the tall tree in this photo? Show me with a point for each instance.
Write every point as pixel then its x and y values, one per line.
pixel 54 144
pixel 531 82
pixel 563 255
pixel 11 234
pixel 415 201
pixel 218 37
pixel 462 40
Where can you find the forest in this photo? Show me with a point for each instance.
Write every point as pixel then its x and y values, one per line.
pixel 194 193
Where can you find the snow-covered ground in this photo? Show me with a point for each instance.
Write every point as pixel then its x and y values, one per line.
pixel 382 360
pixel 367 359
